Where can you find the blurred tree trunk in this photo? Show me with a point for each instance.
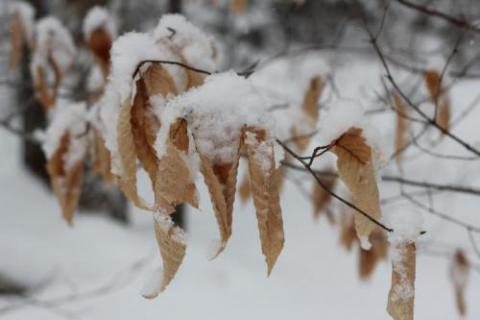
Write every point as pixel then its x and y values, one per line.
pixel 34 117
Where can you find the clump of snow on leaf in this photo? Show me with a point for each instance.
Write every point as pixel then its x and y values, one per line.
pixel 128 51
pixel 52 40
pixel 67 118
pixel 217 111
pixel 99 18
pixel 406 222
pixel 198 48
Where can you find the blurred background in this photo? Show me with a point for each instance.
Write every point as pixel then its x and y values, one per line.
pixel 95 270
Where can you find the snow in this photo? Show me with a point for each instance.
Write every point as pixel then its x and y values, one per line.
pixel 101 256
pixel 53 40
pixel 99 18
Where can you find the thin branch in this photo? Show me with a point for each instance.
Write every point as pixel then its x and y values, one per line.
pixel 308 168
pixel 456 21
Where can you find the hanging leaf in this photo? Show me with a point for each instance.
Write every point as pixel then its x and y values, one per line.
pixel 459 273
pixel 355 168
pixel 66 182
pixel 244 189
pixel 53 56
pixel 21 33
pixel 101 164
pixel 238 6
pixel 264 183
pixel 127 153
pixel 402 291
pixel 433 83
pixel 46 94
pixel 443 114
pixel 174 182
pixel 171 242
pixel 368 259
pixel 348 235
pixel 100 43
pixel 439 99
pixel 310 100
pixel 321 198
pixel 221 180
pixel 310 114
pixel 16 41
pixel 401 129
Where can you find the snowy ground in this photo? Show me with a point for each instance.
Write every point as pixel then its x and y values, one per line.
pixel 96 269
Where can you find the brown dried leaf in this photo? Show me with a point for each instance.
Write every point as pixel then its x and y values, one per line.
pixel 244 189
pixel 101 159
pixel 100 43
pixel 140 131
pixel 301 140
pixel 401 129
pixel 195 79
pixel 172 249
pixel 221 180
pixel 443 114
pixel 368 259
pixel 348 235
pixel 311 111
pixel 310 100
pixel 321 198
pixel 126 149
pixel 432 81
pixel 174 182
pixel 17 38
pixel 65 184
pixel 158 81
pixel 459 272
pixel 355 168
pixel 402 291
pixel 44 94
pixel 264 183
pixel 238 6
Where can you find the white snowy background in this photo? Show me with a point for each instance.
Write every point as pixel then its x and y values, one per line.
pixel 95 270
